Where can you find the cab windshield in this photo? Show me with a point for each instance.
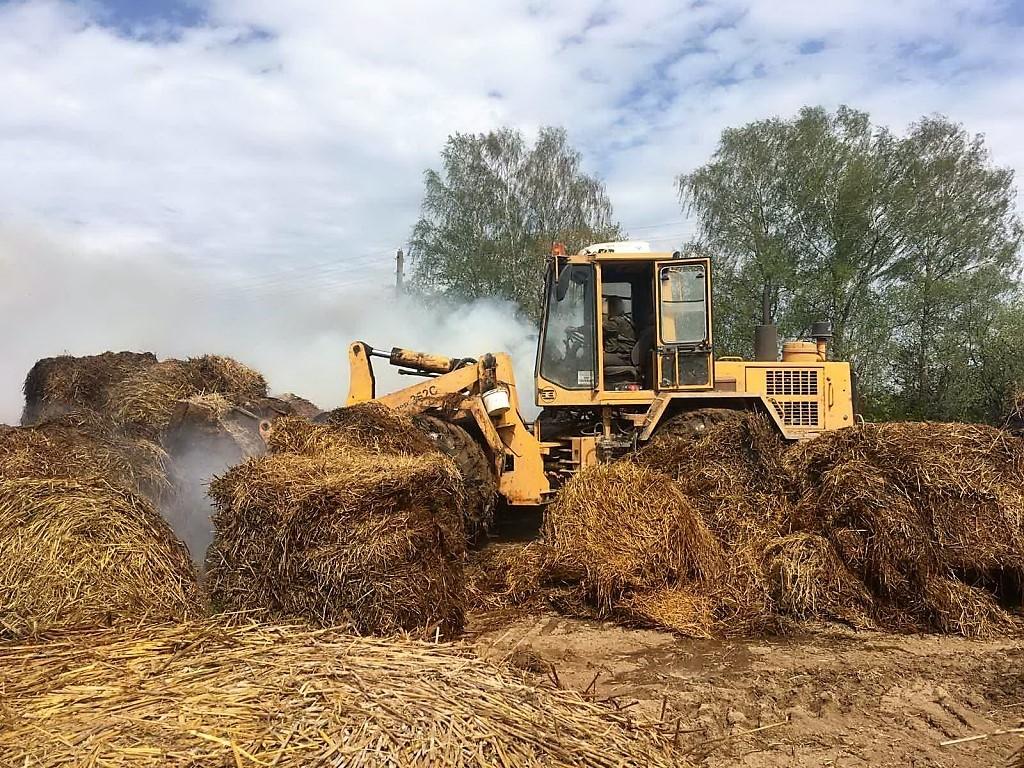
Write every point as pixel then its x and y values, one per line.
pixel 567 350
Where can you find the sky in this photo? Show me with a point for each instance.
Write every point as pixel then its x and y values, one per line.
pixel 251 161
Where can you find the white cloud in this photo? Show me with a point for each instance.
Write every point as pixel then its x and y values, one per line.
pixel 280 146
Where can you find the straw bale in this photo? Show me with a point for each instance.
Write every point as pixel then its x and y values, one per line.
pixel 77 553
pixel 377 428
pixel 148 400
pixel 80 444
pixel 208 694
pixel 732 471
pixel 55 385
pixel 809 580
pixel 372 540
pixel 226 376
pixel 628 528
pixel 907 505
pixel 368 426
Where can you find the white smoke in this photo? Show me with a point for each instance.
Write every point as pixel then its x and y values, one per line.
pixel 61 294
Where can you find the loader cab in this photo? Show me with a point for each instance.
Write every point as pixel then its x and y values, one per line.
pixel 621 323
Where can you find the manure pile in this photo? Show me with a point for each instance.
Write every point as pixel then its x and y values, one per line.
pixel 342 523
pixel 210 694
pixel 907 527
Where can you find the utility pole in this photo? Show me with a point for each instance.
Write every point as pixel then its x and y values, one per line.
pixel 399 272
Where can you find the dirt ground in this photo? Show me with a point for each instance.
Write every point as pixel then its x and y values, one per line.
pixel 834 697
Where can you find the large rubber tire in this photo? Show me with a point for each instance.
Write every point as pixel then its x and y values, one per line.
pixel 693 424
pixel 478 474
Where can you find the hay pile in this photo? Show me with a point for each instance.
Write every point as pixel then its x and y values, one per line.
pixel 79 444
pixel 207 694
pixel 226 376
pixel 377 428
pixel 134 394
pixel 77 553
pixel 930 517
pixel 733 471
pixel 641 551
pixel 56 385
pixel 334 534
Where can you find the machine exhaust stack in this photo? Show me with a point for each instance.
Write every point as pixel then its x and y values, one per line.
pixel 822 333
pixel 766 343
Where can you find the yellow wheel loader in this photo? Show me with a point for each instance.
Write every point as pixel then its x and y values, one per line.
pixel 625 349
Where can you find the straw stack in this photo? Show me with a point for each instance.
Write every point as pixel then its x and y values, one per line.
pixel 76 553
pixel 732 473
pixel 336 534
pixel 226 376
pixel 366 426
pixel 379 429
pixel 207 694
pixel 908 527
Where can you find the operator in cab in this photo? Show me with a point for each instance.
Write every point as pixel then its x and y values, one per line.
pixel 619 333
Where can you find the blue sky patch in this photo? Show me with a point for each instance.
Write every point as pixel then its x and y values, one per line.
pixel 809 47
pixel 148 18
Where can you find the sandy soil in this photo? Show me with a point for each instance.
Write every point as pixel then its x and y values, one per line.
pixel 831 698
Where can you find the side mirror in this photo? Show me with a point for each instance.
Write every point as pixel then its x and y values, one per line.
pixel 562 286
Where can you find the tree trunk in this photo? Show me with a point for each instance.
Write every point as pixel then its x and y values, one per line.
pixel 766 303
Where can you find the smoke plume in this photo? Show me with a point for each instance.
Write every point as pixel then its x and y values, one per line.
pixel 63 296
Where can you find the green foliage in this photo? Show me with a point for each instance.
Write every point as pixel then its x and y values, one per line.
pixel 908 245
pixel 489 218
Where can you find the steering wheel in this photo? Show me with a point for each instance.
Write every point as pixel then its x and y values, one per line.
pixel 574 339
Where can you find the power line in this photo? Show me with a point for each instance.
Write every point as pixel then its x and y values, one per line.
pixel 270 280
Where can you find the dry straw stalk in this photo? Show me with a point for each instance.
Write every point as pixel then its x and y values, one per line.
pixel 85 554
pixel 282 695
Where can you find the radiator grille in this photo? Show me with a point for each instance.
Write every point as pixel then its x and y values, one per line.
pixel 791 382
pixel 798 413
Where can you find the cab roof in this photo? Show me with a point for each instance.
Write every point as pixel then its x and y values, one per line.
pixel 589 258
